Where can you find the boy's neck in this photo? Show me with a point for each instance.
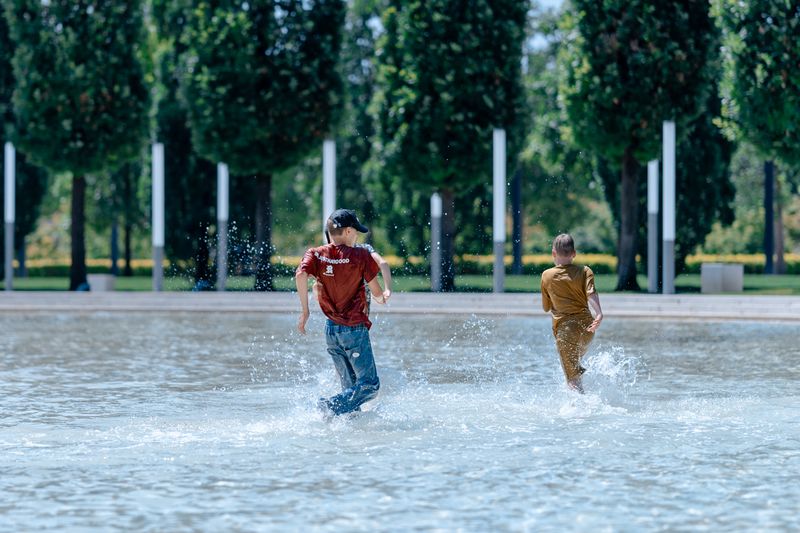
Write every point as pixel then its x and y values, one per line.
pixel 563 261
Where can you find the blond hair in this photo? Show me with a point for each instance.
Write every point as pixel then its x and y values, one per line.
pixel 564 245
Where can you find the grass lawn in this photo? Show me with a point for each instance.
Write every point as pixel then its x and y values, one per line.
pixel 685 283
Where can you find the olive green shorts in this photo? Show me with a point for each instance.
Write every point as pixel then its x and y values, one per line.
pixel 572 342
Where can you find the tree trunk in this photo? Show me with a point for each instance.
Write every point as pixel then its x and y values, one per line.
pixel 264 234
pixel 629 224
pixel 448 240
pixel 202 271
pixel 22 271
pixel 516 214
pixel 769 216
pixel 77 269
pixel 114 248
pixel 780 261
pixel 128 271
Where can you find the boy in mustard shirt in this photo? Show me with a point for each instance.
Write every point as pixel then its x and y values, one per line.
pixel 568 292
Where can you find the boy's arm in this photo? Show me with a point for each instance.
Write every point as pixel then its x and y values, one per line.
pixel 547 305
pixel 594 303
pixel 375 289
pixel 386 274
pixel 301 280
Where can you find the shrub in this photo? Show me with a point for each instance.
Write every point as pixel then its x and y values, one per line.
pixel 532 264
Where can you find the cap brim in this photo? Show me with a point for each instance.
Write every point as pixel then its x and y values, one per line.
pixel 362 228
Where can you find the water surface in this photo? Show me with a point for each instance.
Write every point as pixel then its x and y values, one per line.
pixel 155 422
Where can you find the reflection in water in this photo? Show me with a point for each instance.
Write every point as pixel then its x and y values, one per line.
pixel 177 421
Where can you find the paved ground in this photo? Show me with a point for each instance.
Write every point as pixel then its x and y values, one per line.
pixel 641 306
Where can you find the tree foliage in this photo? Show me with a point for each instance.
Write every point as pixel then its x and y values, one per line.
pixel 80 102
pixel 703 179
pixel 263 90
pixel 704 190
pixel 764 39
pixel 191 180
pixel 561 190
pixel 630 65
pixel 6 77
pixel 449 71
pixel 357 129
pixel 31 181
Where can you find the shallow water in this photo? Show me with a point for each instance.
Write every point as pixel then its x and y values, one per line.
pixel 155 422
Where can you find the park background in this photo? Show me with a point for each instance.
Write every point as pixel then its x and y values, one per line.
pixel 410 91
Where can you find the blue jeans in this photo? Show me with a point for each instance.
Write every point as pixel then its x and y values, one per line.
pixel 351 352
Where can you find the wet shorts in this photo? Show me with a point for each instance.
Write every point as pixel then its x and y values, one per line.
pixel 572 341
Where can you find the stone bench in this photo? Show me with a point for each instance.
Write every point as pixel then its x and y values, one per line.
pixel 101 282
pixel 721 277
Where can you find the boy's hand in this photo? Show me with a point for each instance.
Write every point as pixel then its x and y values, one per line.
pixel 386 295
pixel 301 322
pixel 381 298
pixel 595 323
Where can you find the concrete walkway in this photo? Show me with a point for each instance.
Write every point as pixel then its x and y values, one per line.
pixel 636 306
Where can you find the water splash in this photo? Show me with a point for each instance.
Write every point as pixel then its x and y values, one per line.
pixel 611 374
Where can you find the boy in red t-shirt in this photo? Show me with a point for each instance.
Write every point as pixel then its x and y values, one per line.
pixel 340 269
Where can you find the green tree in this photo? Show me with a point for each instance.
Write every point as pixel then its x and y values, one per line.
pixel 764 39
pixel 117 199
pixel 746 233
pixel 81 103
pixel 703 179
pixel 449 71
pixel 263 91
pixel 357 129
pixel 704 190
pixel 31 181
pixel 191 187
pixel 561 189
pixel 31 185
pixel 764 80
pixel 384 201
pixel 630 64
pixel 6 77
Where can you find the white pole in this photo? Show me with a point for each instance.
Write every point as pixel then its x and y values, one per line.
pixel 499 197
pixel 652 226
pixel 10 170
pixel 328 181
pixel 223 183
pixel 158 216
pixel 436 242
pixel 668 252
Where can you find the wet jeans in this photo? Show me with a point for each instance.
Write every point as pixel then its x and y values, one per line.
pixel 351 352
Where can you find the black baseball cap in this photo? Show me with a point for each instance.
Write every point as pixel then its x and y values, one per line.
pixel 346 218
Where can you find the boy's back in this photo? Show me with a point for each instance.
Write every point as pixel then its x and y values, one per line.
pixel 566 290
pixel 341 271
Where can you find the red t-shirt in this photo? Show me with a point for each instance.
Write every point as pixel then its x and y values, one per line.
pixel 341 271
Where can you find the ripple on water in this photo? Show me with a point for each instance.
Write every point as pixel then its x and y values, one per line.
pixel 210 424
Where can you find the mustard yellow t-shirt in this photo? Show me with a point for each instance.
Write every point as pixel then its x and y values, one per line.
pixel 566 290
